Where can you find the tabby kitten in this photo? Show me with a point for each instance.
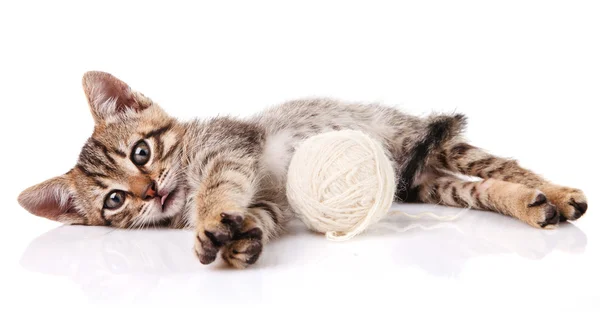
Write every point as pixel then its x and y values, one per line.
pixel 225 177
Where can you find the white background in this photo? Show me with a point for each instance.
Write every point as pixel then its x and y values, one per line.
pixel 527 73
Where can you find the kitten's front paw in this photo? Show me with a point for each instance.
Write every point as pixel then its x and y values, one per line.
pixel 245 248
pixel 214 233
pixel 570 202
pixel 241 239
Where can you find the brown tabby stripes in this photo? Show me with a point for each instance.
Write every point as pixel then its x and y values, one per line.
pixel 225 177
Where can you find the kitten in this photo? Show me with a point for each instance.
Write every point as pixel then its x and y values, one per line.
pixel 225 177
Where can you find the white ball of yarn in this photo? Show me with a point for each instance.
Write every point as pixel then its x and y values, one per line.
pixel 340 183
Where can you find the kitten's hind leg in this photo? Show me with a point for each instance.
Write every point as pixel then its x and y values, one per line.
pixel 469 160
pixel 524 203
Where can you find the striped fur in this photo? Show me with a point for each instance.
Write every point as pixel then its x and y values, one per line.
pixel 225 177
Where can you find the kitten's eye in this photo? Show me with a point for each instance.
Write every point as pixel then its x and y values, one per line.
pixel 114 199
pixel 141 153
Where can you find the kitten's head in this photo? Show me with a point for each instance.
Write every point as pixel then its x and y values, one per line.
pixel 127 174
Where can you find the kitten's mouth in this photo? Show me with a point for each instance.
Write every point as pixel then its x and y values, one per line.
pixel 167 199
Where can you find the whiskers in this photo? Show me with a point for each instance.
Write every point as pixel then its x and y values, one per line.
pixel 143 219
pixel 146 219
pixel 171 176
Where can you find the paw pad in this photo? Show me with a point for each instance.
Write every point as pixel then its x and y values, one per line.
pixel 539 200
pixel 233 220
pixel 218 238
pixel 580 208
pixel 552 216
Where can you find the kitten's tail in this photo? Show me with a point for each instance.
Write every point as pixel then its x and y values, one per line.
pixel 439 130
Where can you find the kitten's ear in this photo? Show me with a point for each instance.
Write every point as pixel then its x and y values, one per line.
pixel 110 97
pixel 52 199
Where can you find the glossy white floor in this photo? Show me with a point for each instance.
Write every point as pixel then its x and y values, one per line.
pixel 480 261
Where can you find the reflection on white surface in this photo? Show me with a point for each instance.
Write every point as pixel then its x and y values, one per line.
pixel 145 265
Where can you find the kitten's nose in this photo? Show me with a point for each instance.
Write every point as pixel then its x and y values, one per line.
pixel 150 192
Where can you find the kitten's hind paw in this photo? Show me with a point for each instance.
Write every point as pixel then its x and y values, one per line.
pixel 529 205
pixel 540 212
pixel 570 202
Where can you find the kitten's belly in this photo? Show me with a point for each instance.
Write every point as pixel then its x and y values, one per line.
pixel 277 154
